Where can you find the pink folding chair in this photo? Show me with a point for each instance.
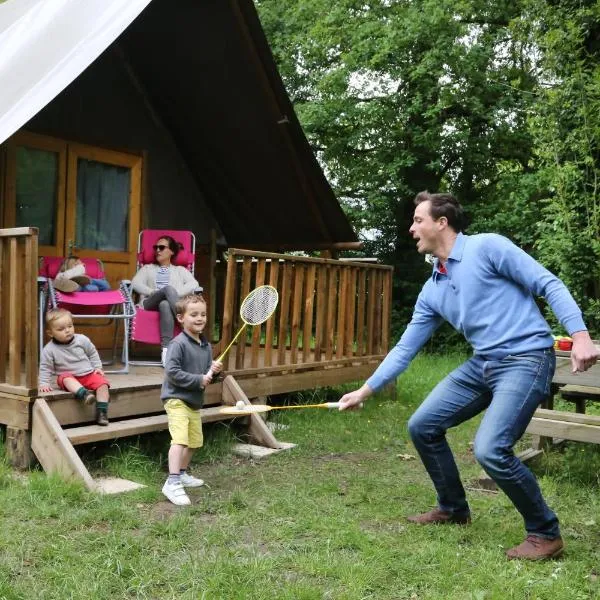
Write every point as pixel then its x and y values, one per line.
pixel 110 305
pixel 145 328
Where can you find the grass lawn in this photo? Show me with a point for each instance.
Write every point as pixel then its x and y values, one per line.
pixel 324 520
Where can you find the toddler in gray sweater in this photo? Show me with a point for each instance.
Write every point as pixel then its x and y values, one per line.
pixel 75 362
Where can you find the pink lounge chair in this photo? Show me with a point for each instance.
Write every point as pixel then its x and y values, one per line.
pixel 145 328
pixel 110 305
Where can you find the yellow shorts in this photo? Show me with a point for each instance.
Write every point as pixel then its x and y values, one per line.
pixel 185 425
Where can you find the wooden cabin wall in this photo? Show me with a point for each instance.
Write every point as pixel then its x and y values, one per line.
pixel 107 107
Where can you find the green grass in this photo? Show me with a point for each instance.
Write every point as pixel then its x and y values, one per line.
pixel 324 520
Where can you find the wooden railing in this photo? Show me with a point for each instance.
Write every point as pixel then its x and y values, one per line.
pixel 18 310
pixel 328 309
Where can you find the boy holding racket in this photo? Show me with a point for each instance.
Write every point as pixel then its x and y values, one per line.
pixel 188 370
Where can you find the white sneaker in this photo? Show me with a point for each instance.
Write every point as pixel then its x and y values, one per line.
pixel 188 480
pixel 163 356
pixel 175 493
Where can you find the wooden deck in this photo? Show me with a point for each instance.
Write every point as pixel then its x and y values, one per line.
pixel 331 327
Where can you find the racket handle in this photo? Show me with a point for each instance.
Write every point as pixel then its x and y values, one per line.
pixel 332 404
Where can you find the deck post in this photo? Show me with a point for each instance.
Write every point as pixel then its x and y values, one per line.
pixel 18 448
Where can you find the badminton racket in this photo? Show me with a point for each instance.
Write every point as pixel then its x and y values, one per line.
pixel 256 308
pixel 250 409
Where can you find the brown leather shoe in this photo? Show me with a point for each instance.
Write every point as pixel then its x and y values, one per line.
pixel 536 548
pixel 441 517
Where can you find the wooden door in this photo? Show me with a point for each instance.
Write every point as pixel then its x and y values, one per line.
pixel 84 200
pixel 103 208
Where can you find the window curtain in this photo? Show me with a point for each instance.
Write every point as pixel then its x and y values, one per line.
pixel 102 206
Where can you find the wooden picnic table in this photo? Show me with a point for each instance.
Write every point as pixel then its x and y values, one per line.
pixel 563 375
pixel 551 425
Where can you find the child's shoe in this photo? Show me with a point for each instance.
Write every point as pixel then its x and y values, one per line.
pixel 89 398
pixel 102 418
pixel 190 481
pixel 175 493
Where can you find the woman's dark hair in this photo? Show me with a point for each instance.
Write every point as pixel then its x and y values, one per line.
pixel 444 205
pixel 174 246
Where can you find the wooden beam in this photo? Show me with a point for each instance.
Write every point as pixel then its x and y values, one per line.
pixel 30 306
pixel 270 324
pixel 53 449
pixel 15 411
pixel 306 380
pixel 257 429
pixel 14 316
pixel 18 231
pixel 305 259
pixel 565 429
pixel 18 447
pixel 569 417
pixel 17 390
pixel 308 307
pixel 282 369
pixel 308 246
pixel 130 427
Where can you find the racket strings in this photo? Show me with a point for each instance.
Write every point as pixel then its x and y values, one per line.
pixel 259 305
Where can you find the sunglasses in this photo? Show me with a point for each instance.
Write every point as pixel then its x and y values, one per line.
pixel 159 247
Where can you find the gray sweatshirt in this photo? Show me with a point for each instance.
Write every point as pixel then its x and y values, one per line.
pixel 187 361
pixel 78 357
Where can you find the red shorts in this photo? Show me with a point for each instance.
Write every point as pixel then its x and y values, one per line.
pixel 91 381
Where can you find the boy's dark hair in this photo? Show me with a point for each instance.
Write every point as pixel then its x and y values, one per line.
pixel 183 303
pixel 174 246
pixel 444 205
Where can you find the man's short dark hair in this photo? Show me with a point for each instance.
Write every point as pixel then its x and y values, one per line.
pixel 444 205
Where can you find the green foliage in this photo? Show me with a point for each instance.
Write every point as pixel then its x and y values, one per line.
pixel 498 102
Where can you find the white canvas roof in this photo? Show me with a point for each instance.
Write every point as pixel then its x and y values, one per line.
pixel 46 44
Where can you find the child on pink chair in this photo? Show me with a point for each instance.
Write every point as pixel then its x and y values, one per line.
pixel 75 361
pixel 71 277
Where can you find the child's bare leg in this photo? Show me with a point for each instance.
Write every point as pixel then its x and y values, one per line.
pixel 176 453
pixel 71 384
pixel 102 394
pixel 81 393
pixel 186 458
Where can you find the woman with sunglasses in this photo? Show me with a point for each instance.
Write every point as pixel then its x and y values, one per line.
pixel 160 284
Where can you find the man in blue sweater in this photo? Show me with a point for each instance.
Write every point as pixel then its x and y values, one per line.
pixel 485 287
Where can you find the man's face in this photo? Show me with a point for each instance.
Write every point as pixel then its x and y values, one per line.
pixel 425 230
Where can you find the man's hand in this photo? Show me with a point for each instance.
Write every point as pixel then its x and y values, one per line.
pixel 355 399
pixel 217 366
pixel 206 379
pixel 584 353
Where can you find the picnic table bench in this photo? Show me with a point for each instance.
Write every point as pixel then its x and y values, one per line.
pixel 578 388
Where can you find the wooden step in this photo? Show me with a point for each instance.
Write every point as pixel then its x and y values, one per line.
pixel 117 429
pixel 582 391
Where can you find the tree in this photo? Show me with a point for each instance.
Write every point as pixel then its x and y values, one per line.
pixel 401 96
pixel 565 127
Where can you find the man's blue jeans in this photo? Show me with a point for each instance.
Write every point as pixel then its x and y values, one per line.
pixel 510 389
